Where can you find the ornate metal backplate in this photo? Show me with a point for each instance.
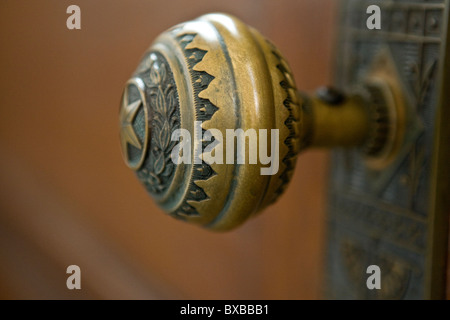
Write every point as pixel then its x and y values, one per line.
pixel 394 217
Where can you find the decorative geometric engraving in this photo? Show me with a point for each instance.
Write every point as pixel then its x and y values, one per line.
pixel 382 217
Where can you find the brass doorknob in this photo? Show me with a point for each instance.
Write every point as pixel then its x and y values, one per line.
pixel 205 86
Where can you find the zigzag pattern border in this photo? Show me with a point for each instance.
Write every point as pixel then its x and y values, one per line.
pixel 204 110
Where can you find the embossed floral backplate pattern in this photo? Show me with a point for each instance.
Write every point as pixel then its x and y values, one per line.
pixel 383 217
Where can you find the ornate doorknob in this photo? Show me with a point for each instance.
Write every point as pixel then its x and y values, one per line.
pixel 211 121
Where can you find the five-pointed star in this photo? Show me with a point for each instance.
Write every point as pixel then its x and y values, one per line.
pixel 127 115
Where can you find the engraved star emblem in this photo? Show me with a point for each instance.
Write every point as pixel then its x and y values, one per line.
pixel 129 108
pixel 127 114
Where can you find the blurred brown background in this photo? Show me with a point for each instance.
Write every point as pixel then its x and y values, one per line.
pixel 66 196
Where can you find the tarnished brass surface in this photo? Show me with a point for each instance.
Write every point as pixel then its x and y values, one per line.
pixel 391 208
pixel 345 125
pixel 219 71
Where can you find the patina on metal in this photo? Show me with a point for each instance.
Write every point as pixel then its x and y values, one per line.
pixel 219 71
pixel 392 210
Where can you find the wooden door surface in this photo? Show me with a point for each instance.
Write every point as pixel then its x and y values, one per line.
pixel 68 199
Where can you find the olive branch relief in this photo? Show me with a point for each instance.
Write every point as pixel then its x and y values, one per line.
pixel 163 102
